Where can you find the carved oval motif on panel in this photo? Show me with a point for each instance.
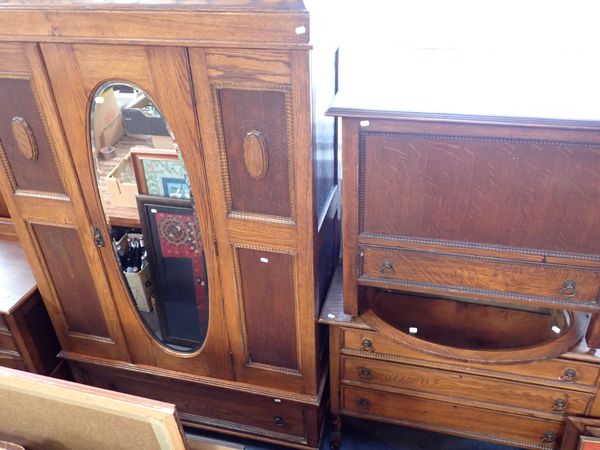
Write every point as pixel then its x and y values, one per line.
pixel 24 138
pixel 255 154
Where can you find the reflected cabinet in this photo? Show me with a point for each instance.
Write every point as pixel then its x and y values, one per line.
pixel 174 183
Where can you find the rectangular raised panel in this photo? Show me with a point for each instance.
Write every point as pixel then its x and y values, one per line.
pixel 268 302
pixel 256 146
pixel 553 372
pixel 458 386
pixel 72 280
pixel 516 192
pixel 451 417
pixel 25 148
pixel 486 277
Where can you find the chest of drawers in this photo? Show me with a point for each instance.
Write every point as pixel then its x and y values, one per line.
pixel 471 274
pixel 519 404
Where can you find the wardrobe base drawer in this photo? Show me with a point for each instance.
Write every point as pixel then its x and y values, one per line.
pixel 558 372
pixel 452 418
pixel 205 406
pixel 455 386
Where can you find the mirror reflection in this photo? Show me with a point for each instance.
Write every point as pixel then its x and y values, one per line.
pixel 147 201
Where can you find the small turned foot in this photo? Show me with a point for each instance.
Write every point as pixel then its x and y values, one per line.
pixel 336 433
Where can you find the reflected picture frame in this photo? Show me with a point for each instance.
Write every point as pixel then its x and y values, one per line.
pixel 161 264
pixel 589 443
pixel 160 172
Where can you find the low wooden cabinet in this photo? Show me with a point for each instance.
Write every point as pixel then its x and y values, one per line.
pixel 27 338
pixel 247 221
pixel 471 273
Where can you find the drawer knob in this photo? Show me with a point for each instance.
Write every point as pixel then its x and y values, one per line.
pixel 363 403
pixel 549 437
pixel 569 376
pixel 364 373
pixel 568 289
pixel 279 421
pixel 559 405
pixel 387 267
pixel 366 345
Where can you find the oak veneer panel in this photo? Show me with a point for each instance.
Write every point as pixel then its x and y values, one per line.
pixel 457 386
pixel 450 417
pixel 244 111
pixel 551 372
pixel 488 275
pixel 72 280
pixel 516 192
pixel 269 305
pixel 40 174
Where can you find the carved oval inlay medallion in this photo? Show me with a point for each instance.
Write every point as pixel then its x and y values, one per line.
pixel 24 138
pixel 255 154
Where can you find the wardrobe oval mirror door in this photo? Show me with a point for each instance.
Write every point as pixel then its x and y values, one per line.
pixel 147 201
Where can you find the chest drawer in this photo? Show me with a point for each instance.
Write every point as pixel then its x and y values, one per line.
pixel 481 277
pixel 469 388
pixel 7 342
pixel 554 372
pixel 12 361
pixel 453 418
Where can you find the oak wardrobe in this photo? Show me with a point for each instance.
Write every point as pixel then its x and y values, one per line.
pixel 172 177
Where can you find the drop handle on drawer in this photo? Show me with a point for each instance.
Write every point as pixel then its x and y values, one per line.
pixel 386 267
pixel 366 345
pixel 363 403
pixel 569 376
pixel 549 437
pixel 559 405
pixel 568 289
pixel 364 373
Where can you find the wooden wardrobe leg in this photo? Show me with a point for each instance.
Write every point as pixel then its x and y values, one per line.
pixel 336 433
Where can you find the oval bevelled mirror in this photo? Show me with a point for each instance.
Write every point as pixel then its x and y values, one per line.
pixel 147 201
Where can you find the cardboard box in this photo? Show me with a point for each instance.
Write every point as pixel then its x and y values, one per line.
pixel 121 191
pixel 108 121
